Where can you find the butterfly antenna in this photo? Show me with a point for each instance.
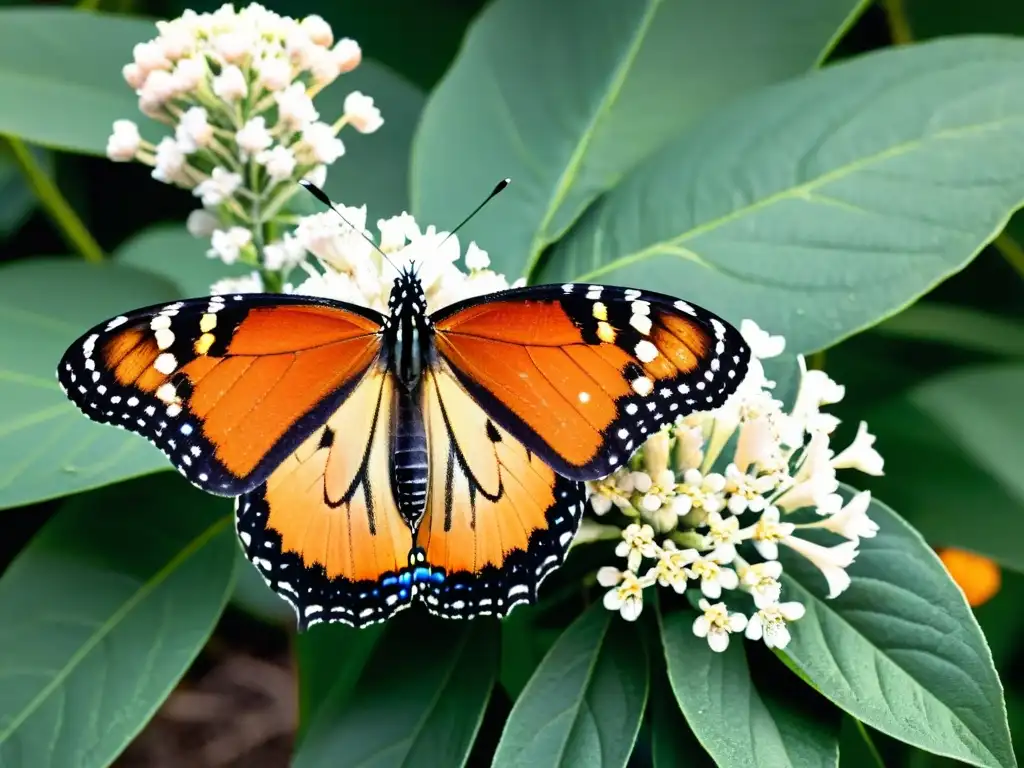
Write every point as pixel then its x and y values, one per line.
pixel 320 195
pixel 494 193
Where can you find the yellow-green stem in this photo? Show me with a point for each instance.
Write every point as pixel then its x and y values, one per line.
pixel 1011 250
pixel 899 24
pixel 869 742
pixel 56 205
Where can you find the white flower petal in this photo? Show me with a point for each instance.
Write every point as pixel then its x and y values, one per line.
pixel 631 608
pixel 762 344
pixel 612 601
pixel 792 611
pixel 754 628
pixel 718 640
pixel 609 576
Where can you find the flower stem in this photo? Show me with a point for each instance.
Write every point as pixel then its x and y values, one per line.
pixel 1010 250
pixel 869 742
pixel 899 24
pixel 56 205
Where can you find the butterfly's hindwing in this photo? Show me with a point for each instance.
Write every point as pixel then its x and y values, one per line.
pixel 225 386
pixel 324 530
pixel 584 374
pixel 498 519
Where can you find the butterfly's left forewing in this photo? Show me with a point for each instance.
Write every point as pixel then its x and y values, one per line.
pixel 225 386
pixel 582 375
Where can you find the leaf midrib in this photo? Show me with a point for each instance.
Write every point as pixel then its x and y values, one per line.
pixel 572 167
pixel 421 723
pixel 578 703
pixel 113 621
pixel 792 192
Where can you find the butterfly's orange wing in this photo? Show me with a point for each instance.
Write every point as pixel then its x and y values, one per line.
pixel 324 530
pixel 498 518
pixel 227 386
pixel 583 374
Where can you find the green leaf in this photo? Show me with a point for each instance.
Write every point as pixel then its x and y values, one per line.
pixel 585 702
pixel 566 97
pixel 17 201
pixel 900 649
pixel 673 743
pixel 824 205
pixel 168 250
pixel 330 658
pixel 419 701
pixel 953 455
pixel 956 326
pixel 737 723
pixel 47 447
pixel 102 614
pixel 56 63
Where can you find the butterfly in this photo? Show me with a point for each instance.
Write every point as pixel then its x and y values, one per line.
pixel 378 460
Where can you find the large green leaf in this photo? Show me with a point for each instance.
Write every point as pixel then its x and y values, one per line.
pixel 565 97
pixel 952 448
pixel 60 75
pixel 823 205
pixel 47 447
pixel 737 723
pixel 419 701
pixel 101 615
pixel 170 251
pixel 331 658
pixel 585 702
pixel 673 744
pixel 900 649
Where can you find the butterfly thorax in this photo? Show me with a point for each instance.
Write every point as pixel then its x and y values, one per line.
pixel 407 337
pixel 407 330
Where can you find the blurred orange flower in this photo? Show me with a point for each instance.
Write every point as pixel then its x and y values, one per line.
pixel 979 577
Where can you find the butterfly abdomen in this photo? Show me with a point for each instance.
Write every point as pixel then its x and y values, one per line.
pixel 409 472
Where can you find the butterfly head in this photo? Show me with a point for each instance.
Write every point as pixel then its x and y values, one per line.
pixel 407 328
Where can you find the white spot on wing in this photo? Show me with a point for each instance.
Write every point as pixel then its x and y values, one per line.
pixel 164 337
pixel 165 363
pixel 642 386
pixel 645 351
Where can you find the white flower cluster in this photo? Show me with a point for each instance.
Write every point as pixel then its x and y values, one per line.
pixel 704 502
pixel 353 270
pixel 237 89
